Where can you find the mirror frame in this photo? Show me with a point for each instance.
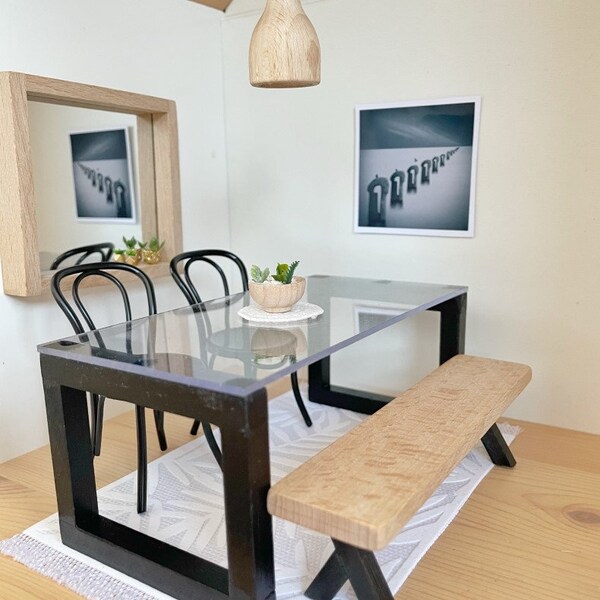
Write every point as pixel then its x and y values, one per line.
pixel 158 155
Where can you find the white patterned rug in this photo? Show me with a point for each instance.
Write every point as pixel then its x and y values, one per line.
pixel 185 509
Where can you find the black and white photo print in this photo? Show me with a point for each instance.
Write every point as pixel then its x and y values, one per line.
pixel 103 176
pixel 415 167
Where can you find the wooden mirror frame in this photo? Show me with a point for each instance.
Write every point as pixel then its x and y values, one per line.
pixel 158 156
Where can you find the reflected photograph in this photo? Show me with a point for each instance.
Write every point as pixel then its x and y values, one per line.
pixel 102 175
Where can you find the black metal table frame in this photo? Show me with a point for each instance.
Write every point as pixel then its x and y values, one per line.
pixel 453 314
pixel 243 422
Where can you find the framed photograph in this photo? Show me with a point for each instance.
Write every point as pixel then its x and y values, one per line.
pixel 415 167
pixel 368 316
pixel 102 176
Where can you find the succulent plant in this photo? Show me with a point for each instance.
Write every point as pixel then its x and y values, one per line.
pixel 131 243
pixel 259 275
pixel 285 272
pixel 154 245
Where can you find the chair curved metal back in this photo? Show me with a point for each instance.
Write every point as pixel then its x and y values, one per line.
pixel 103 249
pixel 180 267
pixel 182 262
pixel 81 320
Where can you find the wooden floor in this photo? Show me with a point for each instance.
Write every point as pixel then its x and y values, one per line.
pixel 529 533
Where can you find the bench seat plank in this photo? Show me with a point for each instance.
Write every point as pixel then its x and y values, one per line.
pixel 365 486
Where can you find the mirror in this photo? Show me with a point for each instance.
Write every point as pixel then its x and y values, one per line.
pixel 156 176
pixel 58 226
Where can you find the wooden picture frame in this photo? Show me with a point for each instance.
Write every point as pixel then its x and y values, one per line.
pixel 158 156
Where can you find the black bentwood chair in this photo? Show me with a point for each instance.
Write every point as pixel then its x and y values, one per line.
pixel 182 262
pixel 82 322
pixel 103 251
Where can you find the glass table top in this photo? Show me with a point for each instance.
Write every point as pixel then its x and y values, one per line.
pixel 212 347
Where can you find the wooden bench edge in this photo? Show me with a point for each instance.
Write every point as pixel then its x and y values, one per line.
pixel 373 536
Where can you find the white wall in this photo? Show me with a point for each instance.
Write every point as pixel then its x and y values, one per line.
pixel 167 48
pixel 533 267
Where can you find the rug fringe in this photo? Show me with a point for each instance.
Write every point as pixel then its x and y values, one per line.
pixel 83 579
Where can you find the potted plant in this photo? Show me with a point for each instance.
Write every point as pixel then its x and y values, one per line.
pixel 119 255
pixel 151 250
pixel 276 293
pixel 130 255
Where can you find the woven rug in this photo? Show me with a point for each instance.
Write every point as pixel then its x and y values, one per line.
pixel 185 509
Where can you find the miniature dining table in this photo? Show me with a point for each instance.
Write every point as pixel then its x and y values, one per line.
pixel 208 363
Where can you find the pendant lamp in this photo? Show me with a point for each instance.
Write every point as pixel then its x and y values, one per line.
pixel 284 50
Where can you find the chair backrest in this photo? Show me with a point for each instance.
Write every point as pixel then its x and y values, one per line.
pixel 76 311
pixel 180 271
pixel 104 251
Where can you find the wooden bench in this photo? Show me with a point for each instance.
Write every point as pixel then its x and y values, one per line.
pixel 362 489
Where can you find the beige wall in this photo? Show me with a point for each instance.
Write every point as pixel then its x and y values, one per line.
pixel 167 48
pixel 533 266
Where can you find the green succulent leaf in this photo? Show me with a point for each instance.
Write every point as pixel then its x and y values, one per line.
pixel 280 272
pixel 285 272
pixel 259 275
pixel 130 243
pixel 290 272
pixel 154 245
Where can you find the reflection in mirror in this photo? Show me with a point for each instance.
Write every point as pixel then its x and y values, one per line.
pixel 158 172
pixel 53 173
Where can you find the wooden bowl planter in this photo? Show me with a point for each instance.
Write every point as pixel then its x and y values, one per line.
pixel 275 297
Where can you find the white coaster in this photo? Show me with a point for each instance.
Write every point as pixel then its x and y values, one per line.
pixel 299 312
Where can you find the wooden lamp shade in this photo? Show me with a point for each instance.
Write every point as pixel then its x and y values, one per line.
pixel 284 50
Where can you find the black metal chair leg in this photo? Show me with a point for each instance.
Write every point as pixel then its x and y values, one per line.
pixel 97 421
pixel 142 466
pixel 497 448
pixel 159 421
pixel 299 400
pixel 212 443
pixel 195 426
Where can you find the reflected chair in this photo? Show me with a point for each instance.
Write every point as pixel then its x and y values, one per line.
pixel 101 252
pixel 82 322
pixel 180 271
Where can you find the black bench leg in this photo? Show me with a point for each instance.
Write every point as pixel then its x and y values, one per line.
pixel 329 580
pixel 497 448
pixel 348 562
pixel 364 573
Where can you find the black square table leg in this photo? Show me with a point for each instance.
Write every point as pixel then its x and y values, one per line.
pixel 250 575
pixel 247 479
pixel 453 320
pixel 72 455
